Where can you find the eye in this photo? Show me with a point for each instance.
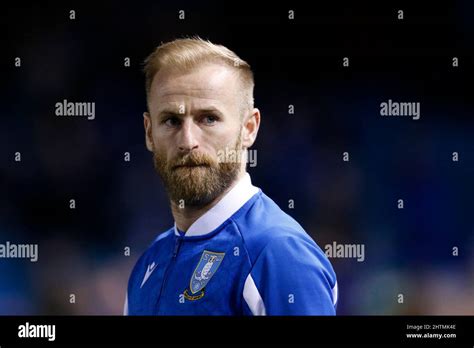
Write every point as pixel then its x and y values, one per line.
pixel 210 119
pixel 172 121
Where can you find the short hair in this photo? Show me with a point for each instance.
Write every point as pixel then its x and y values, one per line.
pixel 187 53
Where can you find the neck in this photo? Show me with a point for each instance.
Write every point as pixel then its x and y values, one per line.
pixel 185 217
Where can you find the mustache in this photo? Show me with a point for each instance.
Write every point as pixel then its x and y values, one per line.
pixel 193 159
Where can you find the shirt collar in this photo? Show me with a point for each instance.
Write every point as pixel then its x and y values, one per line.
pixel 223 210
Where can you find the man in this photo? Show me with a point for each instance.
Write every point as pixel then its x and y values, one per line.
pixel 232 250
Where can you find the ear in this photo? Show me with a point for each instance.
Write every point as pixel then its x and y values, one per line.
pixel 148 133
pixel 250 128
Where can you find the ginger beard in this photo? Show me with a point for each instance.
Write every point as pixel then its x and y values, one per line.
pixel 196 178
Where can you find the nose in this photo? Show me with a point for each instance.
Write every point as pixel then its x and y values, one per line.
pixel 187 136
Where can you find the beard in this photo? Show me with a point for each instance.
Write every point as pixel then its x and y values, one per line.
pixel 196 179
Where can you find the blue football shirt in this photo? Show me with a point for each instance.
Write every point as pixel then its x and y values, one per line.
pixel 244 256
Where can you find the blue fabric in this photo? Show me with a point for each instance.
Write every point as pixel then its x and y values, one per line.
pixel 292 274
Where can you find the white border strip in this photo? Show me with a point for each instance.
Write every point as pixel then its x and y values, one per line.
pixel 334 294
pixel 253 298
pixel 224 209
pixel 125 306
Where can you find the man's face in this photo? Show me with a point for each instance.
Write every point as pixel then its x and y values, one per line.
pixel 194 117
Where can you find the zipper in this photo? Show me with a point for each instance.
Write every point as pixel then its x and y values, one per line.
pixel 177 245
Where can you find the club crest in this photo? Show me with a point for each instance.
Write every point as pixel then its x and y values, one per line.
pixel 206 268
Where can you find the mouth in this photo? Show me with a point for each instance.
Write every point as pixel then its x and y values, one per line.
pixel 190 166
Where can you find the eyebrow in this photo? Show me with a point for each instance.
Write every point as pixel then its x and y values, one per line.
pixel 174 112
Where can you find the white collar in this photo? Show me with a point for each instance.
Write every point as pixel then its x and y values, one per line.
pixel 224 209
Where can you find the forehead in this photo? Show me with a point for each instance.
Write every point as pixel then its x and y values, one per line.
pixel 205 85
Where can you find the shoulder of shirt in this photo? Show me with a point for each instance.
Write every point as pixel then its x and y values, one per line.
pixel 143 260
pixel 168 233
pixel 160 238
pixel 265 224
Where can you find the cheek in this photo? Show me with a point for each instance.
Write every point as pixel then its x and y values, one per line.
pixel 228 142
pixel 161 140
pixel 218 141
pixel 162 148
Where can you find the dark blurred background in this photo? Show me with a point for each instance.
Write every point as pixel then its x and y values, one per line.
pixel 296 62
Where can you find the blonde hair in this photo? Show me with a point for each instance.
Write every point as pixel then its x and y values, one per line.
pixel 187 53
